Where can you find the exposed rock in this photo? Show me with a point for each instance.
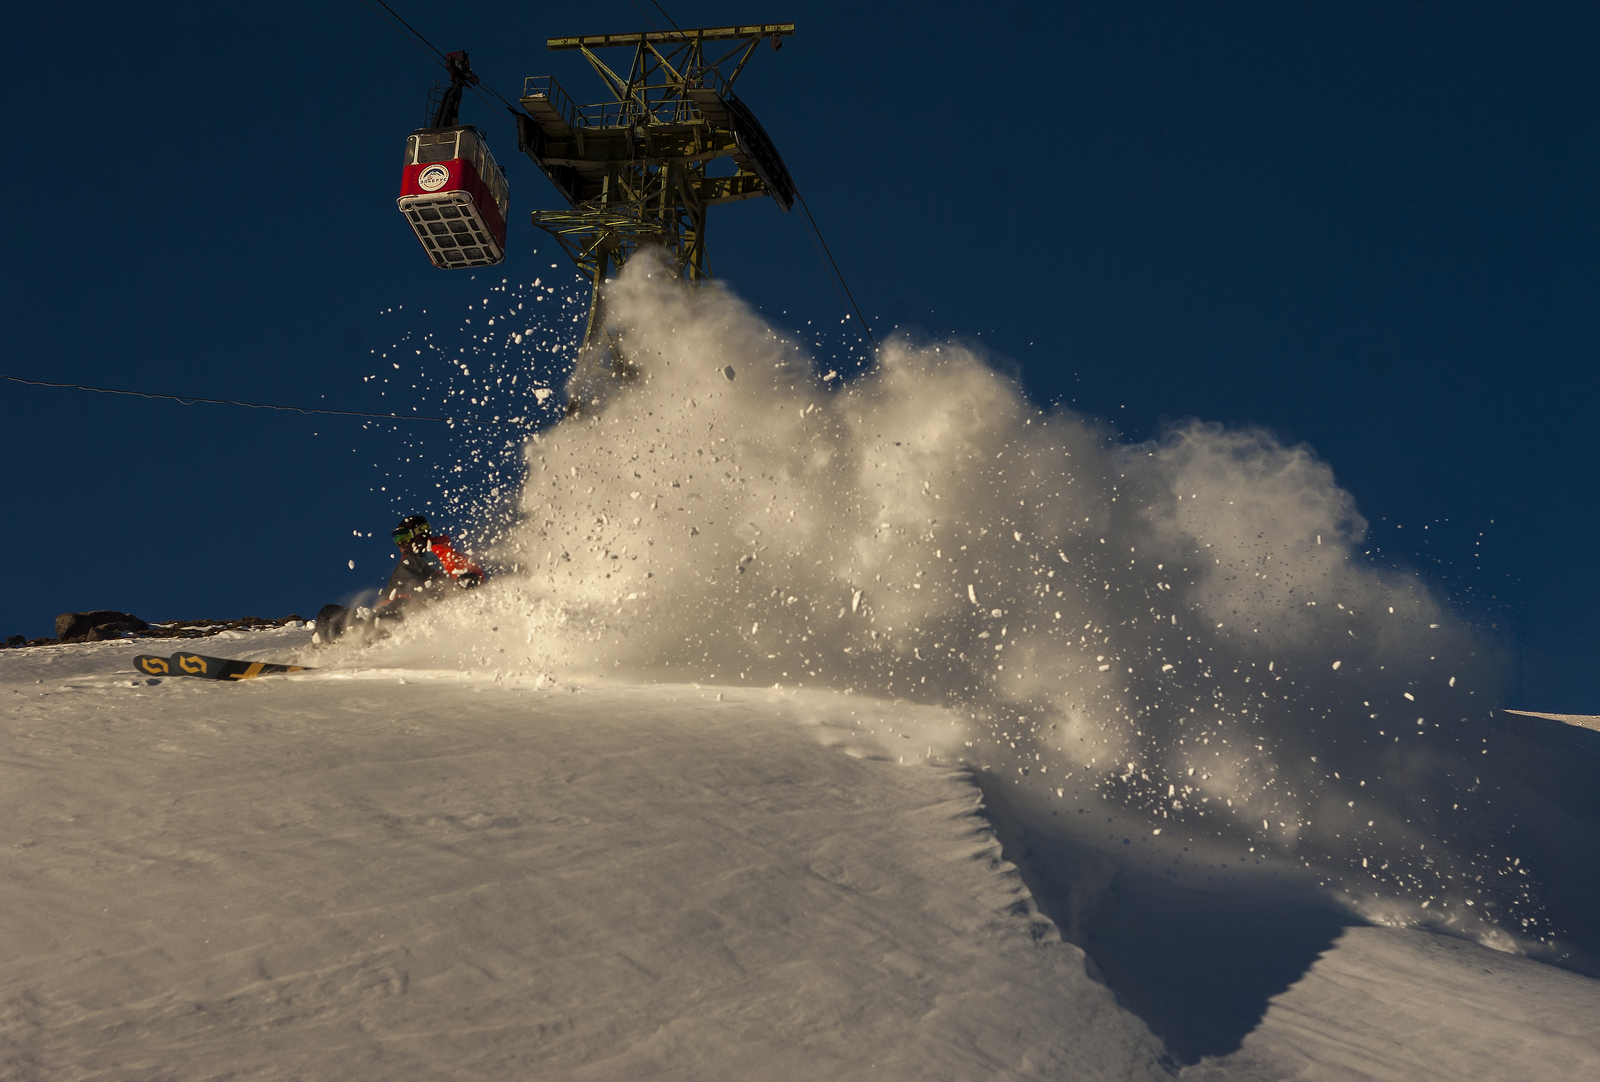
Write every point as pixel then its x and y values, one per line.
pixel 104 624
pixel 72 625
pixel 114 630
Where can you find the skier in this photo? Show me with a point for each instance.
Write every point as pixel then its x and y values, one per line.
pixel 427 562
pixel 429 568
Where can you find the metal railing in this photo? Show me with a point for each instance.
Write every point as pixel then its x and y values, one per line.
pixel 546 87
pixel 664 107
pixel 709 77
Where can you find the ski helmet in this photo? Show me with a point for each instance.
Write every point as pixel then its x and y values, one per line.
pixel 412 533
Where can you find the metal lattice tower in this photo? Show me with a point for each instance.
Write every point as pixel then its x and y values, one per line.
pixel 644 167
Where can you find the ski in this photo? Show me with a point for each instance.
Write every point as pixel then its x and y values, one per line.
pixel 209 668
pixel 153 665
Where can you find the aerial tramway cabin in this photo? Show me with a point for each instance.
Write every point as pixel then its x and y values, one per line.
pixel 455 197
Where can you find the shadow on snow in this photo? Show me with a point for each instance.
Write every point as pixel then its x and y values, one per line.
pixel 1197 966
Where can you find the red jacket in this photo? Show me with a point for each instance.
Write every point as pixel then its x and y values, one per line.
pixel 417 571
pixel 453 561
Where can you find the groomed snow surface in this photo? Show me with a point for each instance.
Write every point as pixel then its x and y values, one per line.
pixel 425 873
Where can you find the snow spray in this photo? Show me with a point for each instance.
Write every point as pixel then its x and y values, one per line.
pixel 1184 630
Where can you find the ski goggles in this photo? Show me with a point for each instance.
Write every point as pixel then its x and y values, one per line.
pixel 407 534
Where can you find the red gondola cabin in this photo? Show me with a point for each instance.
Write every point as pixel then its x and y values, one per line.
pixel 454 195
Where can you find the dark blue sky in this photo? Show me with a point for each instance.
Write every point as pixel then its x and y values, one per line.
pixel 1371 227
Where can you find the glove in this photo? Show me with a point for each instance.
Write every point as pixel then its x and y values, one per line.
pixel 469 580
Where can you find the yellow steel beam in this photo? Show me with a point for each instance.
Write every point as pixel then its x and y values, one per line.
pixel 672 37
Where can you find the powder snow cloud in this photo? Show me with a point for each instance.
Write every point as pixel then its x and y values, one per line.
pixel 1185 626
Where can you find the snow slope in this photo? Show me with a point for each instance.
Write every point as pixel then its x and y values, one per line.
pixel 380 874
pixel 1397 1004
pixel 367 873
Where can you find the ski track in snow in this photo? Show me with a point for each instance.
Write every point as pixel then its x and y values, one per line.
pixel 396 876
pixel 385 872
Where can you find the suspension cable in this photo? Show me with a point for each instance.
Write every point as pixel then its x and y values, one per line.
pixel 189 400
pixel 669 18
pixel 825 251
pixel 644 15
pixel 416 37
pixel 866 330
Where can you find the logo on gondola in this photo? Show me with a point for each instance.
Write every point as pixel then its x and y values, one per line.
pixel 433 178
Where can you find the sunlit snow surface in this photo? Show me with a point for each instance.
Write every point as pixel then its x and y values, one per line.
pixel 362 873
pixel 369 872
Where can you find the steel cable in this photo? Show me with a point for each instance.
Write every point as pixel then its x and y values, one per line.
pixel 189 400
